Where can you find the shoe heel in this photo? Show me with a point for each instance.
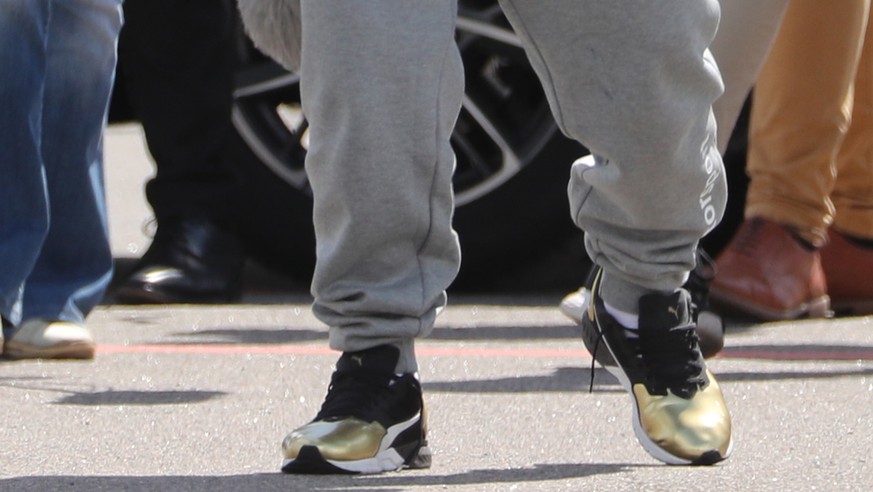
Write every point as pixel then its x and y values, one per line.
pixel 422 458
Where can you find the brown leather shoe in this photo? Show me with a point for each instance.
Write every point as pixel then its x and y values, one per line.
pixel 767 273
pixel 848 268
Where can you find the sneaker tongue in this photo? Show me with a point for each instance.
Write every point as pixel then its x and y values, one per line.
pixel 662 312
pixel 381 360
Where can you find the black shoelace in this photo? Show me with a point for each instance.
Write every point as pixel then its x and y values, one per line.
pixel 594 361
pixel 630 339
pixel 673 362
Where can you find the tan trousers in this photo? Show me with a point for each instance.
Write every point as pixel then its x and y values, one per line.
pixel 811 131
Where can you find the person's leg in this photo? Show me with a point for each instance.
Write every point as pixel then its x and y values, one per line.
pixel 639 97
pixel 70 277
pixel 635 84
pixel 852 194
pixel 381 104
pixel 23 200
pixel 801 114
pixel 848 255
pixel 771 268
pixel 177 61
pixel 61 56
pixel 381 86
pixel 746 31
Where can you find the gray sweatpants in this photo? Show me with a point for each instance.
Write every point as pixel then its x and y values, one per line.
pixel 381 85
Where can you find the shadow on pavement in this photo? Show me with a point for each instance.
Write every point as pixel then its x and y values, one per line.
pixel 527 475
pixel 113 397
pixel 277 481
pixel 577 379
pixel 252 335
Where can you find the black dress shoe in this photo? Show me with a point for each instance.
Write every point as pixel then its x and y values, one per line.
pixel 189 261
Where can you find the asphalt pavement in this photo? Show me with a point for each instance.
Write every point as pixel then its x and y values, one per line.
pixel 199 397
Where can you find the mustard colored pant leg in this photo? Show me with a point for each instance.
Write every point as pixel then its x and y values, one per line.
pixel 801 113
pixel 853 191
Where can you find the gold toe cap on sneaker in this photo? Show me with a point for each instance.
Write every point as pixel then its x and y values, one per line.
pixel 691 430
pixel 344 440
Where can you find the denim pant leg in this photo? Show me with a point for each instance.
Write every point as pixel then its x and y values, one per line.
pixel 23 200
pixel 63 177
pixel 75 264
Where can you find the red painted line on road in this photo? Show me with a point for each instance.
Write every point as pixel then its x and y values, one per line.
pixel 219 349
pixel 799 355
pixel 499 352
pixel 483 352
pixel 228 349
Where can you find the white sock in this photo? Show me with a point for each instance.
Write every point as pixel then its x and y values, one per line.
pixel 630 321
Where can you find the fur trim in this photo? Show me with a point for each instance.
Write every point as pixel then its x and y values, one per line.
pixel 274 26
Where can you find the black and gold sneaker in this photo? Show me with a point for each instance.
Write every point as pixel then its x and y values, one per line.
pixel 371 421
pixel 679 413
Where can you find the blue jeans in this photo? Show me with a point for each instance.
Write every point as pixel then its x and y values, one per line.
pixel 57 62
